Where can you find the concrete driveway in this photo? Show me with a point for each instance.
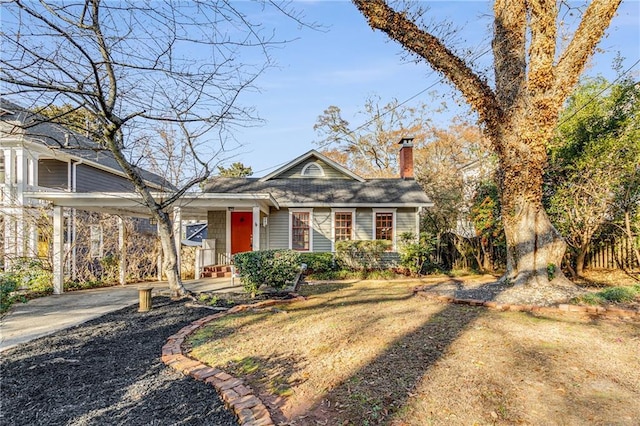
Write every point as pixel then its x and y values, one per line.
pixel 46 315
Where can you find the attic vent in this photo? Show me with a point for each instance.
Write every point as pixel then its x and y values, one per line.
pixel 312 170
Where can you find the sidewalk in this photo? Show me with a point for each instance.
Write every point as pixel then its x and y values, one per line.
pixel 46 315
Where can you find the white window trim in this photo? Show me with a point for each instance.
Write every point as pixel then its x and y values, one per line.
pixel 393 222
pixel 310 211
pixel 306 166
pixel 333 225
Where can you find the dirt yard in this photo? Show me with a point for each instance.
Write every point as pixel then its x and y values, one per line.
pixel 370 353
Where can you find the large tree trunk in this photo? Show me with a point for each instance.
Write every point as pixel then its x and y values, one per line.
pixel 534 247
pixel 170 256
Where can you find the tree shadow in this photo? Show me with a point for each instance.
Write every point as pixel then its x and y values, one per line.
pixel 381 388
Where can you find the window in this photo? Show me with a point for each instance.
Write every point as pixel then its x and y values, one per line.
pixel 384 226
pixel 301 230
pixel 343 226
pixel 312 170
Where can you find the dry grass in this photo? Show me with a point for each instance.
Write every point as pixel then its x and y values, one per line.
pixel 365 353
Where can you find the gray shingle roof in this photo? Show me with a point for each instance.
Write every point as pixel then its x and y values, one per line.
pixel 323 192
pixel 56 136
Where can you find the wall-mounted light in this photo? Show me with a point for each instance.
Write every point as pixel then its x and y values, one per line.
pixel 265 221
pixel 230 209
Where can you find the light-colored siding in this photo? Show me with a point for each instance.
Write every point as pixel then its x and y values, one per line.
pixel 90 179
pixel 329 172
pixel 217 229
pixel 321 229
pixel 279 226
pixel 264 243
pixel 279 229
pixel 53 174
pixel 405 221
pixel 363 224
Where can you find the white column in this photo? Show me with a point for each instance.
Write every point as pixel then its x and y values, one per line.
pixel 33 238
pixel 32 179
pixel 58 250
pixel 122 250
pixel 255 246
pixel 177 235
pixel 21 175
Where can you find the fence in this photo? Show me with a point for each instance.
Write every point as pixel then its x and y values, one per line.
pixel 616 253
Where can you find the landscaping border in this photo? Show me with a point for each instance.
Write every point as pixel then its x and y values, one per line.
pixel 237 396
pixel 609 313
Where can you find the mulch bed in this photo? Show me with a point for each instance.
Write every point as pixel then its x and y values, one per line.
pixel 107 371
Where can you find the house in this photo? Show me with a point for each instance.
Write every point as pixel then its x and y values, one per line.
pixel 38 157
pixel 308 204
pixel 311 203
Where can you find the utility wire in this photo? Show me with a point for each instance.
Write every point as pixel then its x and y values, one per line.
pixel 597 95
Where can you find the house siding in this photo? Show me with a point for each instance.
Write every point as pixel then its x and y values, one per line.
pixel 279 229
pixel 329 172
pixel 217 229
pixel 405 221
pixel 321 229
pixel 363 225
pixel 90 179
pixel 53 174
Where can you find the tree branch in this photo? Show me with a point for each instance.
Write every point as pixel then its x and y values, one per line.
pixel 591 29
pixel 475 90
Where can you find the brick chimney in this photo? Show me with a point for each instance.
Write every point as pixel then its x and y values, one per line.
pixel 406 158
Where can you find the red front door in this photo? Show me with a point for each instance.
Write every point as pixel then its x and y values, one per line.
pixel 241 231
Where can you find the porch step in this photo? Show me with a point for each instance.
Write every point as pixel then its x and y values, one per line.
pixel 216 271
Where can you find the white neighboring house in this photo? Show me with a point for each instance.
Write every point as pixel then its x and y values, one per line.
pixel 41 157
pixel 473 174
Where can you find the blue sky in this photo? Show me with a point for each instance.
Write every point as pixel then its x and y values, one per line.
pixel 347 62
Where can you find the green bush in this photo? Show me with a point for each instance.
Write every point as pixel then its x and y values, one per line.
pixel 361 255
pixel 273 268
pixel 611 295
pixel 33 274
pixel 415 252
pixel 8 285
pixel 620 294
pixel 318 263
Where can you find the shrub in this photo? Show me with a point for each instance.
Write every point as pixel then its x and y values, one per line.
pixel 619 294
pixel 415 252
pixel 269 267
pixel 318 263
pixel 361 255
pixel 8 286
pixel 611 295
pixel 33 274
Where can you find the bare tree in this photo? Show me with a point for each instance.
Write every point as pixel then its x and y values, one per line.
pixel 371 150
pixel 137 67
pixel 519 112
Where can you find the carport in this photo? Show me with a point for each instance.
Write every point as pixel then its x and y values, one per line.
pixel 191 206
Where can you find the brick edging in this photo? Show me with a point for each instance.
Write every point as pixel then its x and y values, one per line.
pixel 610 313
pixel 238 397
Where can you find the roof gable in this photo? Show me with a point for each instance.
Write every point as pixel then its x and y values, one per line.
pixel 312 165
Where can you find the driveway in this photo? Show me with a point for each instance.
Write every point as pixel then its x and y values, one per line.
pixel 45 315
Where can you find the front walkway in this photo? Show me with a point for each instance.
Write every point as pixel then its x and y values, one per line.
pixel 46 315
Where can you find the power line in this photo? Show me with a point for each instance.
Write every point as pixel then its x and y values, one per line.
pixel 597 95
